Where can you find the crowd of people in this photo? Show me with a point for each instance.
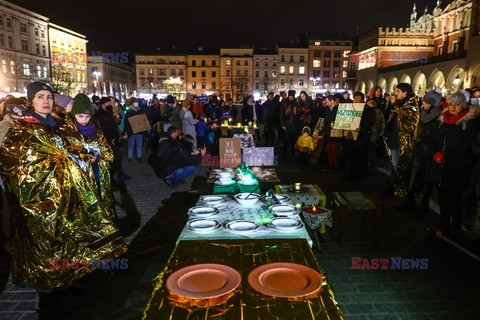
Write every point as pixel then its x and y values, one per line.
pixel 60 154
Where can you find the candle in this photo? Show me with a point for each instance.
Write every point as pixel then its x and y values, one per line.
pixel 314 209
pixel 297 186
pixel 298 205
pixel 229 120
pixel 255 124
pixel 225 122
pixel 239 124
pixel 246 128
pixel 249 124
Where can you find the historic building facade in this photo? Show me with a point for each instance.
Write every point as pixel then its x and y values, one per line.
pixel 293 67
pixel 236 69
pixel 264 72
pixel 433 52
pixel 203 73
pixel 107 77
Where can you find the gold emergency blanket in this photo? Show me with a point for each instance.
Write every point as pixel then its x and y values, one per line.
pixel 55 211
pixel 244 303
pixel 407 120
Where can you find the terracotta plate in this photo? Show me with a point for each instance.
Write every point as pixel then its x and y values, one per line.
pixel 285 280
pixel 203 281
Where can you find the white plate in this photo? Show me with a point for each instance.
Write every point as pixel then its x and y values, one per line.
pixel 213 199
pixel 285 224
pixel 250 183
pixel 283 210
pixel 282 198
pixel 203 225
pixel 202 211
pixel 242 225
pixel 218 182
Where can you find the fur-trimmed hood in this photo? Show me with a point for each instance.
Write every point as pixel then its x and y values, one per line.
pixel 472 114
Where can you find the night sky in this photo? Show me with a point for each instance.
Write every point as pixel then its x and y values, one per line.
pixel 142 26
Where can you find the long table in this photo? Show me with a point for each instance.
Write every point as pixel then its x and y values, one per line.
pixel 231 211
pixel 244 303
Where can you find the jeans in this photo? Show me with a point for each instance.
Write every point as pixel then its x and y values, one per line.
pixel 132 140
pixel 182 173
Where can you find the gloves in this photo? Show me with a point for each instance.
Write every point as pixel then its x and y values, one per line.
pixel 439 157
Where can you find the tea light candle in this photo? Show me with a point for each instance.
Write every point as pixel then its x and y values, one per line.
pixel 255 124
pixel 314 209
pixel 229 120
pixel 225 123
pixel 249 124
pixel 297 186
pixel 298 205
pixel 239 124
pixel 246 128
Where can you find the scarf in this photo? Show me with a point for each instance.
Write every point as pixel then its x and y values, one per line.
pixel 49 121
pixel 450 119
pixel 89 131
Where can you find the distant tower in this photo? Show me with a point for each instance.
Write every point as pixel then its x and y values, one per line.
pixel 413 16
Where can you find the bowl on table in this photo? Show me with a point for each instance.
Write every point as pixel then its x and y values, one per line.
pixel 247 199
pixel 225 181
pixel 224 174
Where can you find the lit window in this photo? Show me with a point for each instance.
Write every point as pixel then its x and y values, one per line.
pixel 12 67
pixel 300 83
pixel 291 69
pixel 282 69
pixel 317 43
pixel 228 62
pixel 274 74
pixel 316 63
pixel 39 71
pixel 26 69
pixel 345 64
pixel 301 70
pixel 194 85
pixel 4 66
pixel 344 74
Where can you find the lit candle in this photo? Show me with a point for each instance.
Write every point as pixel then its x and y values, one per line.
pixel 225 122
pixel 246 128
pixel 255 124
pixel 249 124
pixel 298 205
pixel 314 209
pixel 239 124
pixel 297 186
pixel 229 120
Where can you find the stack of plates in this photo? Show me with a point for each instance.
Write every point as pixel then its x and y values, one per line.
pixel 285 280
pixel 285 224
pixel 203 225
pixel 242 225
pixel 202 211
pixel 283 210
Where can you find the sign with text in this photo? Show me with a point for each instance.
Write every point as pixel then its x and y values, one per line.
pixel 348 116
pixel 230 152
pixel 139 123
pixel 259 156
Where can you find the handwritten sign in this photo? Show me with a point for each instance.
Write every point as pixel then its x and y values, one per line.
pixel 348 116
pixel 230 152
pixel 139 123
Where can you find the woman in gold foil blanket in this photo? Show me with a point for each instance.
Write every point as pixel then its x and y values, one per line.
pixel 401 128
pixel 54 205
pixel 93 140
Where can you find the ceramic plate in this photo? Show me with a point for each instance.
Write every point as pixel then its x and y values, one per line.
pixel 285 224
pixel 242 225
pixel 283 210
pixel 252 183
pixel 203 225
pixel 203 281
pixel 221 184
pixel 213 199
pixel 285 280
pixel 282 198
pixel 202 211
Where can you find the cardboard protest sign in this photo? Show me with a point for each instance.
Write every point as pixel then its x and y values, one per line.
pixel 348 116
pixel 230 152
pixel 139 123
pixel 259 156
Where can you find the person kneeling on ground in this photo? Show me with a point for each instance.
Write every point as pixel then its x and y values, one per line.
pixel 175 159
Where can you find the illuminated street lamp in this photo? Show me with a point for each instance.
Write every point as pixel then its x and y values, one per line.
pixel 314 80
pixel 456 81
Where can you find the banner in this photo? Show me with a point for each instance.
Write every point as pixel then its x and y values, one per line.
pixel 230 152
pixel 139 123
pixel 348 116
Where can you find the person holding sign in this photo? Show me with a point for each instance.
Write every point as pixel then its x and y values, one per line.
pixel 134 138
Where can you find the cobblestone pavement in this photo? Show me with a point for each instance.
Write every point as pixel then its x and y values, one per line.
pixel 151 216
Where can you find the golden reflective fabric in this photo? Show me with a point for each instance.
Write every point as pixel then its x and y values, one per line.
pixel 105 161
pixel 244 303
pixel 407 119
pixel 55 211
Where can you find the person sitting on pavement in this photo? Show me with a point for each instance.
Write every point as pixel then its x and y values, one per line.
pixel 175 159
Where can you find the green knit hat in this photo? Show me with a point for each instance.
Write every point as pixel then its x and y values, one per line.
pixel 81 105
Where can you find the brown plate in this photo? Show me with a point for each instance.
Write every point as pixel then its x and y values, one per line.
pixel 203 281
pixel 285 280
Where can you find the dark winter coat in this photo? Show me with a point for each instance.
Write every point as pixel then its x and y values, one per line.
pixel 131 113
pixel 174 154
pixel 108 125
